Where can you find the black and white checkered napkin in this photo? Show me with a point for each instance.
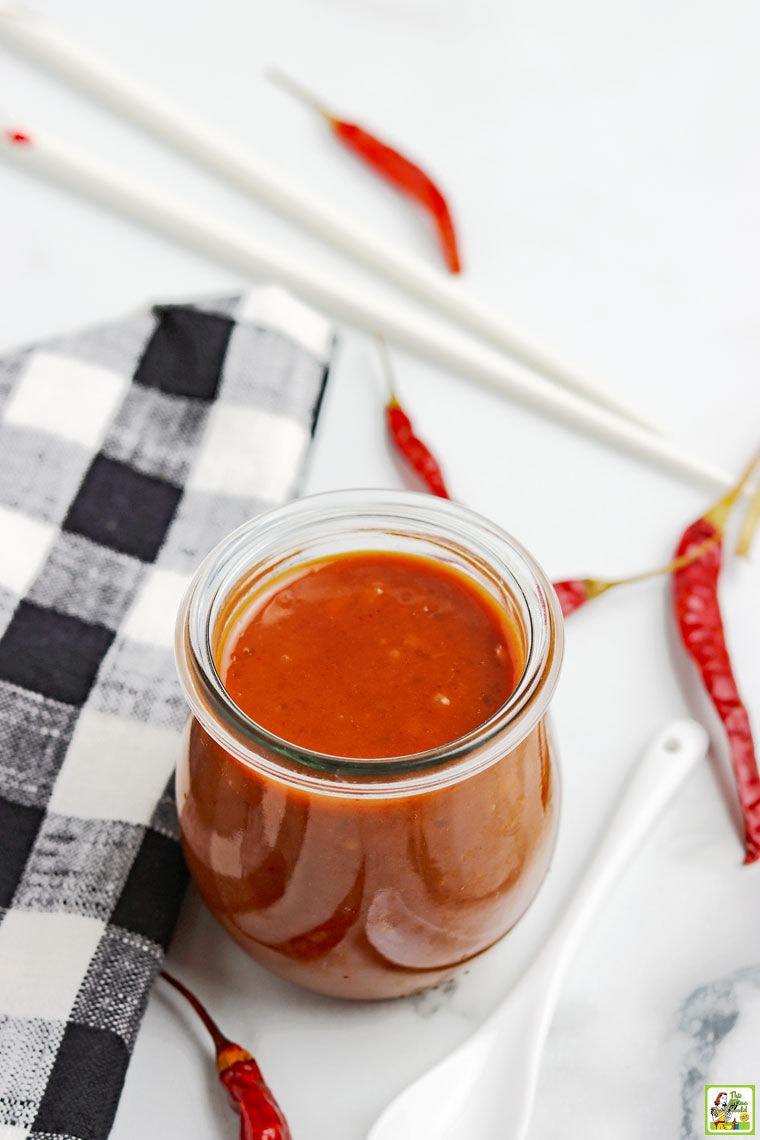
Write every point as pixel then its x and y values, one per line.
pixel 126 452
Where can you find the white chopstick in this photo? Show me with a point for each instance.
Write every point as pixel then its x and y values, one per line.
pixel 376 311
pixel 236 165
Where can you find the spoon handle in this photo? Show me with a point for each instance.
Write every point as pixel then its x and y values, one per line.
pixel 665 763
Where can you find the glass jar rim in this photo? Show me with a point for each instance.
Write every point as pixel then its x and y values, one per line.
pixel 399 513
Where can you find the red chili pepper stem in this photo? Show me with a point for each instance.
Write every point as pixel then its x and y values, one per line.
pixel 749 526
pixel 222 1044
pixel 717 515
pixel 575 592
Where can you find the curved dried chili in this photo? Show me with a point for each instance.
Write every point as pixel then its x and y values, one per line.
pixel 749 526
pixel 417 454
pixel 413 450
pixel 260 1116
pixel 406 176
pixel 395 167
pixel 700 623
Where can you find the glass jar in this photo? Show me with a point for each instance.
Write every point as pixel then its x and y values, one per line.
pixel 367 878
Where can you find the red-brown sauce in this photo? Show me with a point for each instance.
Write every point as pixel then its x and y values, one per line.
pixel 373 654
pixel 361 896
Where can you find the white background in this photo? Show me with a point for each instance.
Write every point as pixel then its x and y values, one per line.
pixel 602 163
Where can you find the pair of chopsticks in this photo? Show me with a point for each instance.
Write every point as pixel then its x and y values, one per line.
pixel 483 348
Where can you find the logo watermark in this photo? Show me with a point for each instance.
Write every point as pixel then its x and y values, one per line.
pixel 729 1108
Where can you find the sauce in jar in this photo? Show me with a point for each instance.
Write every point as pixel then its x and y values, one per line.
pixel 373 654
pixel 368 796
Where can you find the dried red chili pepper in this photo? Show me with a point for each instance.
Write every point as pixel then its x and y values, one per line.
pixel 21 138
pixel 700 623
pixel 407 177
pixel 260 1116
pixel 400 171
pixel 417 454
pixel 575 592
pixel 414 451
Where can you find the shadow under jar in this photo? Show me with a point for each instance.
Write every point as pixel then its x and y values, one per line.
pixel 378 802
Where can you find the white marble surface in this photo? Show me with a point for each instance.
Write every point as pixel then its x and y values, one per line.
pixel 603 165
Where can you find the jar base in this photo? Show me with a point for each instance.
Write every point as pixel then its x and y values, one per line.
pixel 377 982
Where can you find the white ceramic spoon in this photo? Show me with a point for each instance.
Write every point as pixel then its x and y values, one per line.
pixel 473 1092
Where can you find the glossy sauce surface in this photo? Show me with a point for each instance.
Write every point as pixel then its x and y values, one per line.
pixel 373 654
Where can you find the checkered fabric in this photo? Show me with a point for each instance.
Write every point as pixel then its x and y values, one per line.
pixel 126 452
